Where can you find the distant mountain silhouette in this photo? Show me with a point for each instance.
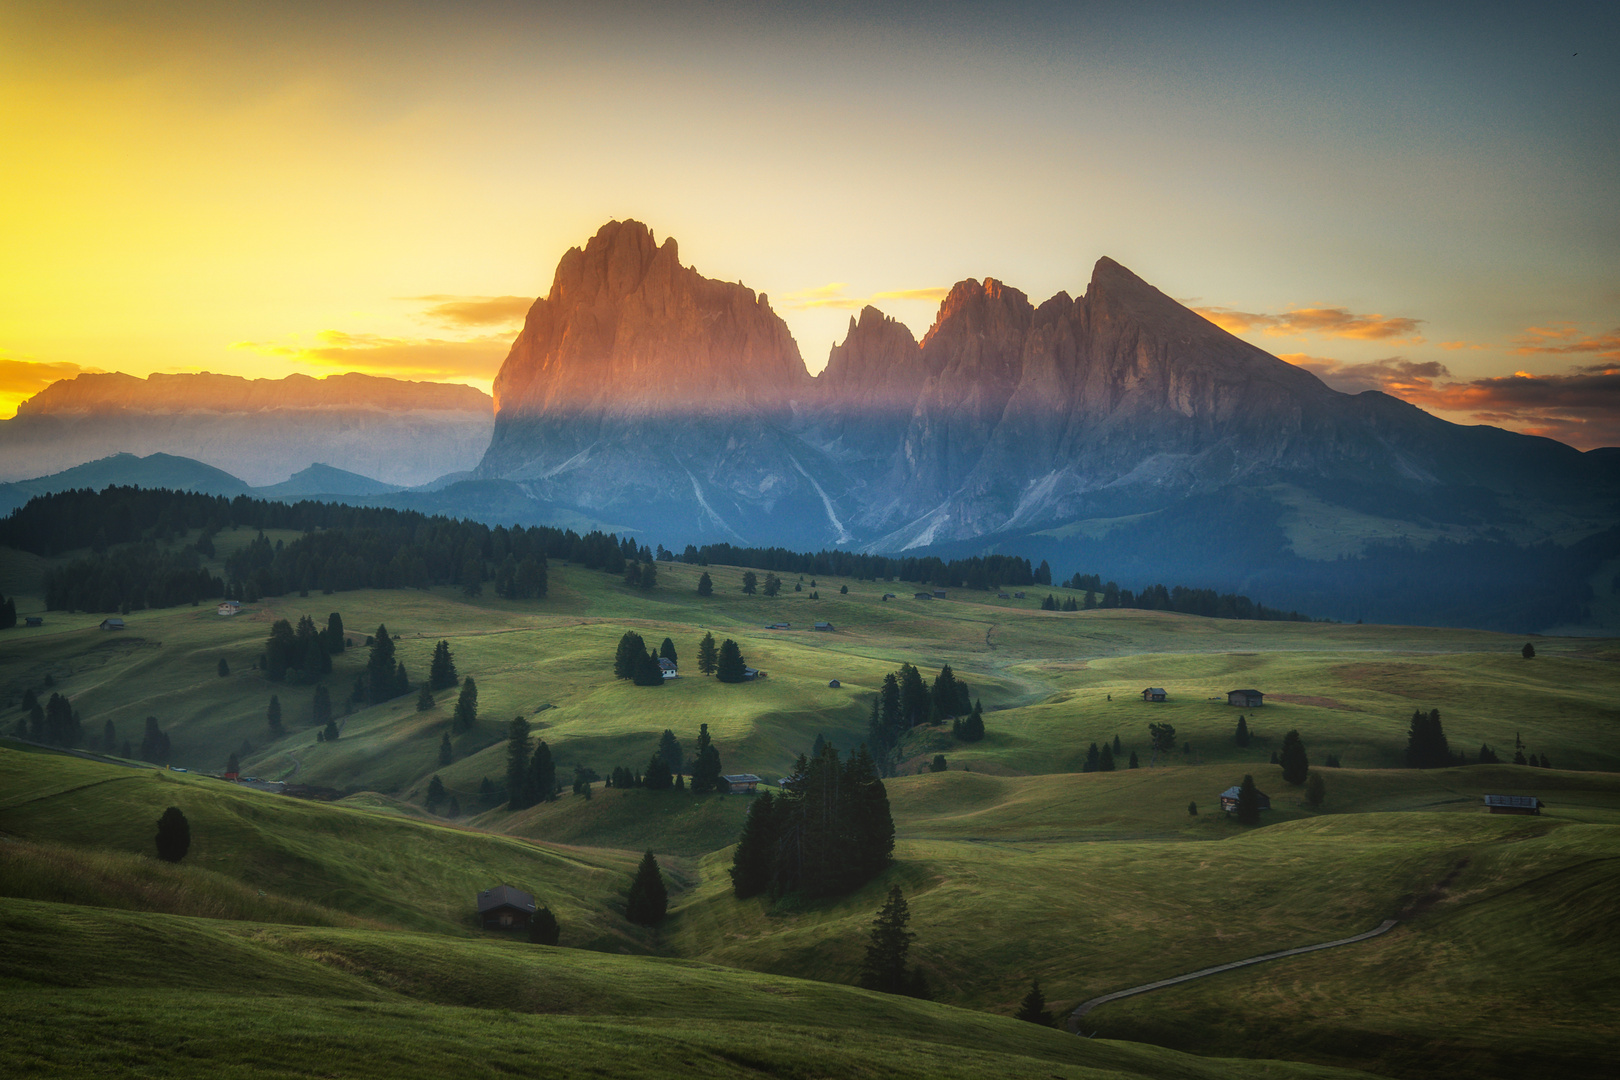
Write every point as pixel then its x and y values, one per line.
pixel 127 470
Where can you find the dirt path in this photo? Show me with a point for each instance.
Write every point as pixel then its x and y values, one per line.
pixel 1086 1006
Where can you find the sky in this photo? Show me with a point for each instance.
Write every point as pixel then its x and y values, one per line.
pixel 1423 199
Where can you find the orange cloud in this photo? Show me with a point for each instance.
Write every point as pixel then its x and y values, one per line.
pixel 1324 321
pixel 22 379
pixel 832 295
pixel 1565 340
pixel 469 311
pixel 476 358
pixel 1581 408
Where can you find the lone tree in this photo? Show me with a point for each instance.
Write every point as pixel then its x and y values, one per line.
pixel 750 583
pixel 1242 735
pixel 1163 737
pixel 884 967
pixel 708 654
pixel 543 928
pixel 1192 808
pixel 648 900
pixel 1295 765
pixel 705 585
pixel 224 667
pixel 466 714
pixel 1315 790
pixel 1426 742
pixel 424 699
pixel 435 794
pixel 442 672
pixel 773 584
pixel 706 768
pixel 729 666
pixel 273 715
pixel 1033 1008
pixel 1528 652
pixel 1248 802
pixel 173 835
pixel 447 752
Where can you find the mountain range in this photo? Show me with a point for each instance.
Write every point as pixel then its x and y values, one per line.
pixel 261 430
pixel 1115 432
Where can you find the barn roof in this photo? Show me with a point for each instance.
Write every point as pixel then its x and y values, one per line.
pixel 505 896
pixel 1526 802
pixel 1243 692
pixel 742 778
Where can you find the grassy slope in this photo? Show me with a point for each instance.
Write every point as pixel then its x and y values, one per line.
pixel 245 999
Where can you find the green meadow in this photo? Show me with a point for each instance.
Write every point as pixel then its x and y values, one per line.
pixel 354 915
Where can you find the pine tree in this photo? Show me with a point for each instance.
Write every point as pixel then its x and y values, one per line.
pixel 402 682
pixel 224 667
pixel 943 695
pixel 750 583
pixel 1426 746
pixel 517 765
pixel 706 768
pixel 424 699
pixel 1242 736
pixel 454 809
pixel 1528 652
pixel 773 584
pixel 1119 751
pixel 647 672
pixel 320 706
pixel 331 732
pixel 466 713
pixel 648 900
pixel 442 671
pixel 669 748
pixel 543 928
pixel 708 654
pixel 1105 761
pixel 1093 759
pixel 631 650
pixel 754 858
pixel 435 794
pixel 1248 802
pixel 939 764
pixel 447 752
pixel 1135 764
pixel 109 737
pixel 233 765
pixel 542 774
pixel 657 777
pixel 335 641
pixel 1163 737
pixel 1295 764
pixel 173 835
pixel 381 667
pixel 884 967
pixel 973 726
pixel 1315 790
pixel 730 667
pixel 649 576
pixel 1192 808
pixel 705 586
pixel 273 715
pixel 1033 1008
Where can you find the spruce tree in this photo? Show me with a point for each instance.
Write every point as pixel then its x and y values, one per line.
pixel 705 586
pixel 320 706
pixel 1119 750
pixel 517 765
pixel 173 835
pixel 447 752
pixel 335 642
pixel 1105 761
pixel 1033 1008
pixel 647 672
pixel 750 583
pixel 542 774
pixel 424 698
pixel 887 949
pixel 939 764
pixel 666 651
pixel 543 928
pixel 648 900
pixel 973 726
pixel 331 733
pixel 657 777
pixel 466 713
pixel 773 584
pixel 435 794
pixel 706 768
pixel 1242 736
pixel 1093 759
pixel 1426 746
pixel 454 809
pixel 669 748
pixel 273 715
pixel 1248 802
pixel 381 667
pixel 1315 790
pixel 708 655
pixel 730 667
pixel 630 653
pixel 442 671
pixel 1528 652
pixel 1192 808
pixel 753 861
pixel 1135 764
pixel 1295 764
pixel 233 765
pixel 224 667
pixel 109 737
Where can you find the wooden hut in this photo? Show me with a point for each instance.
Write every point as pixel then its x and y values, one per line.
pixel 1153 693
pixel 505 908
pixel 1245 699
pixel 1513 804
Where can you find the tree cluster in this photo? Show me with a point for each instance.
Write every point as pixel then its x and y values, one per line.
pixel 531 771
pixel 385 677
pixel 1426 746
pixel 906 700
pixel 305 653
pixel 828 832
pixel 55 723
pixel 130 579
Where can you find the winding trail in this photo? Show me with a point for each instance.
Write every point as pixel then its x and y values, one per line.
pixel 1086 1006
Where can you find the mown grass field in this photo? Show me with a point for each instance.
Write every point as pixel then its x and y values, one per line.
pixel 1016 864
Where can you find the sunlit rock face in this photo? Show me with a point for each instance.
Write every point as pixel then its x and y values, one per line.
pixel 260 430
pixel 647 395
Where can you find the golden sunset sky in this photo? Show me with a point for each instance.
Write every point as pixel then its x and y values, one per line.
pixel 1424 202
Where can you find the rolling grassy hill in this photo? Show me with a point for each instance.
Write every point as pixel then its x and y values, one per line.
pixel 1016 865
